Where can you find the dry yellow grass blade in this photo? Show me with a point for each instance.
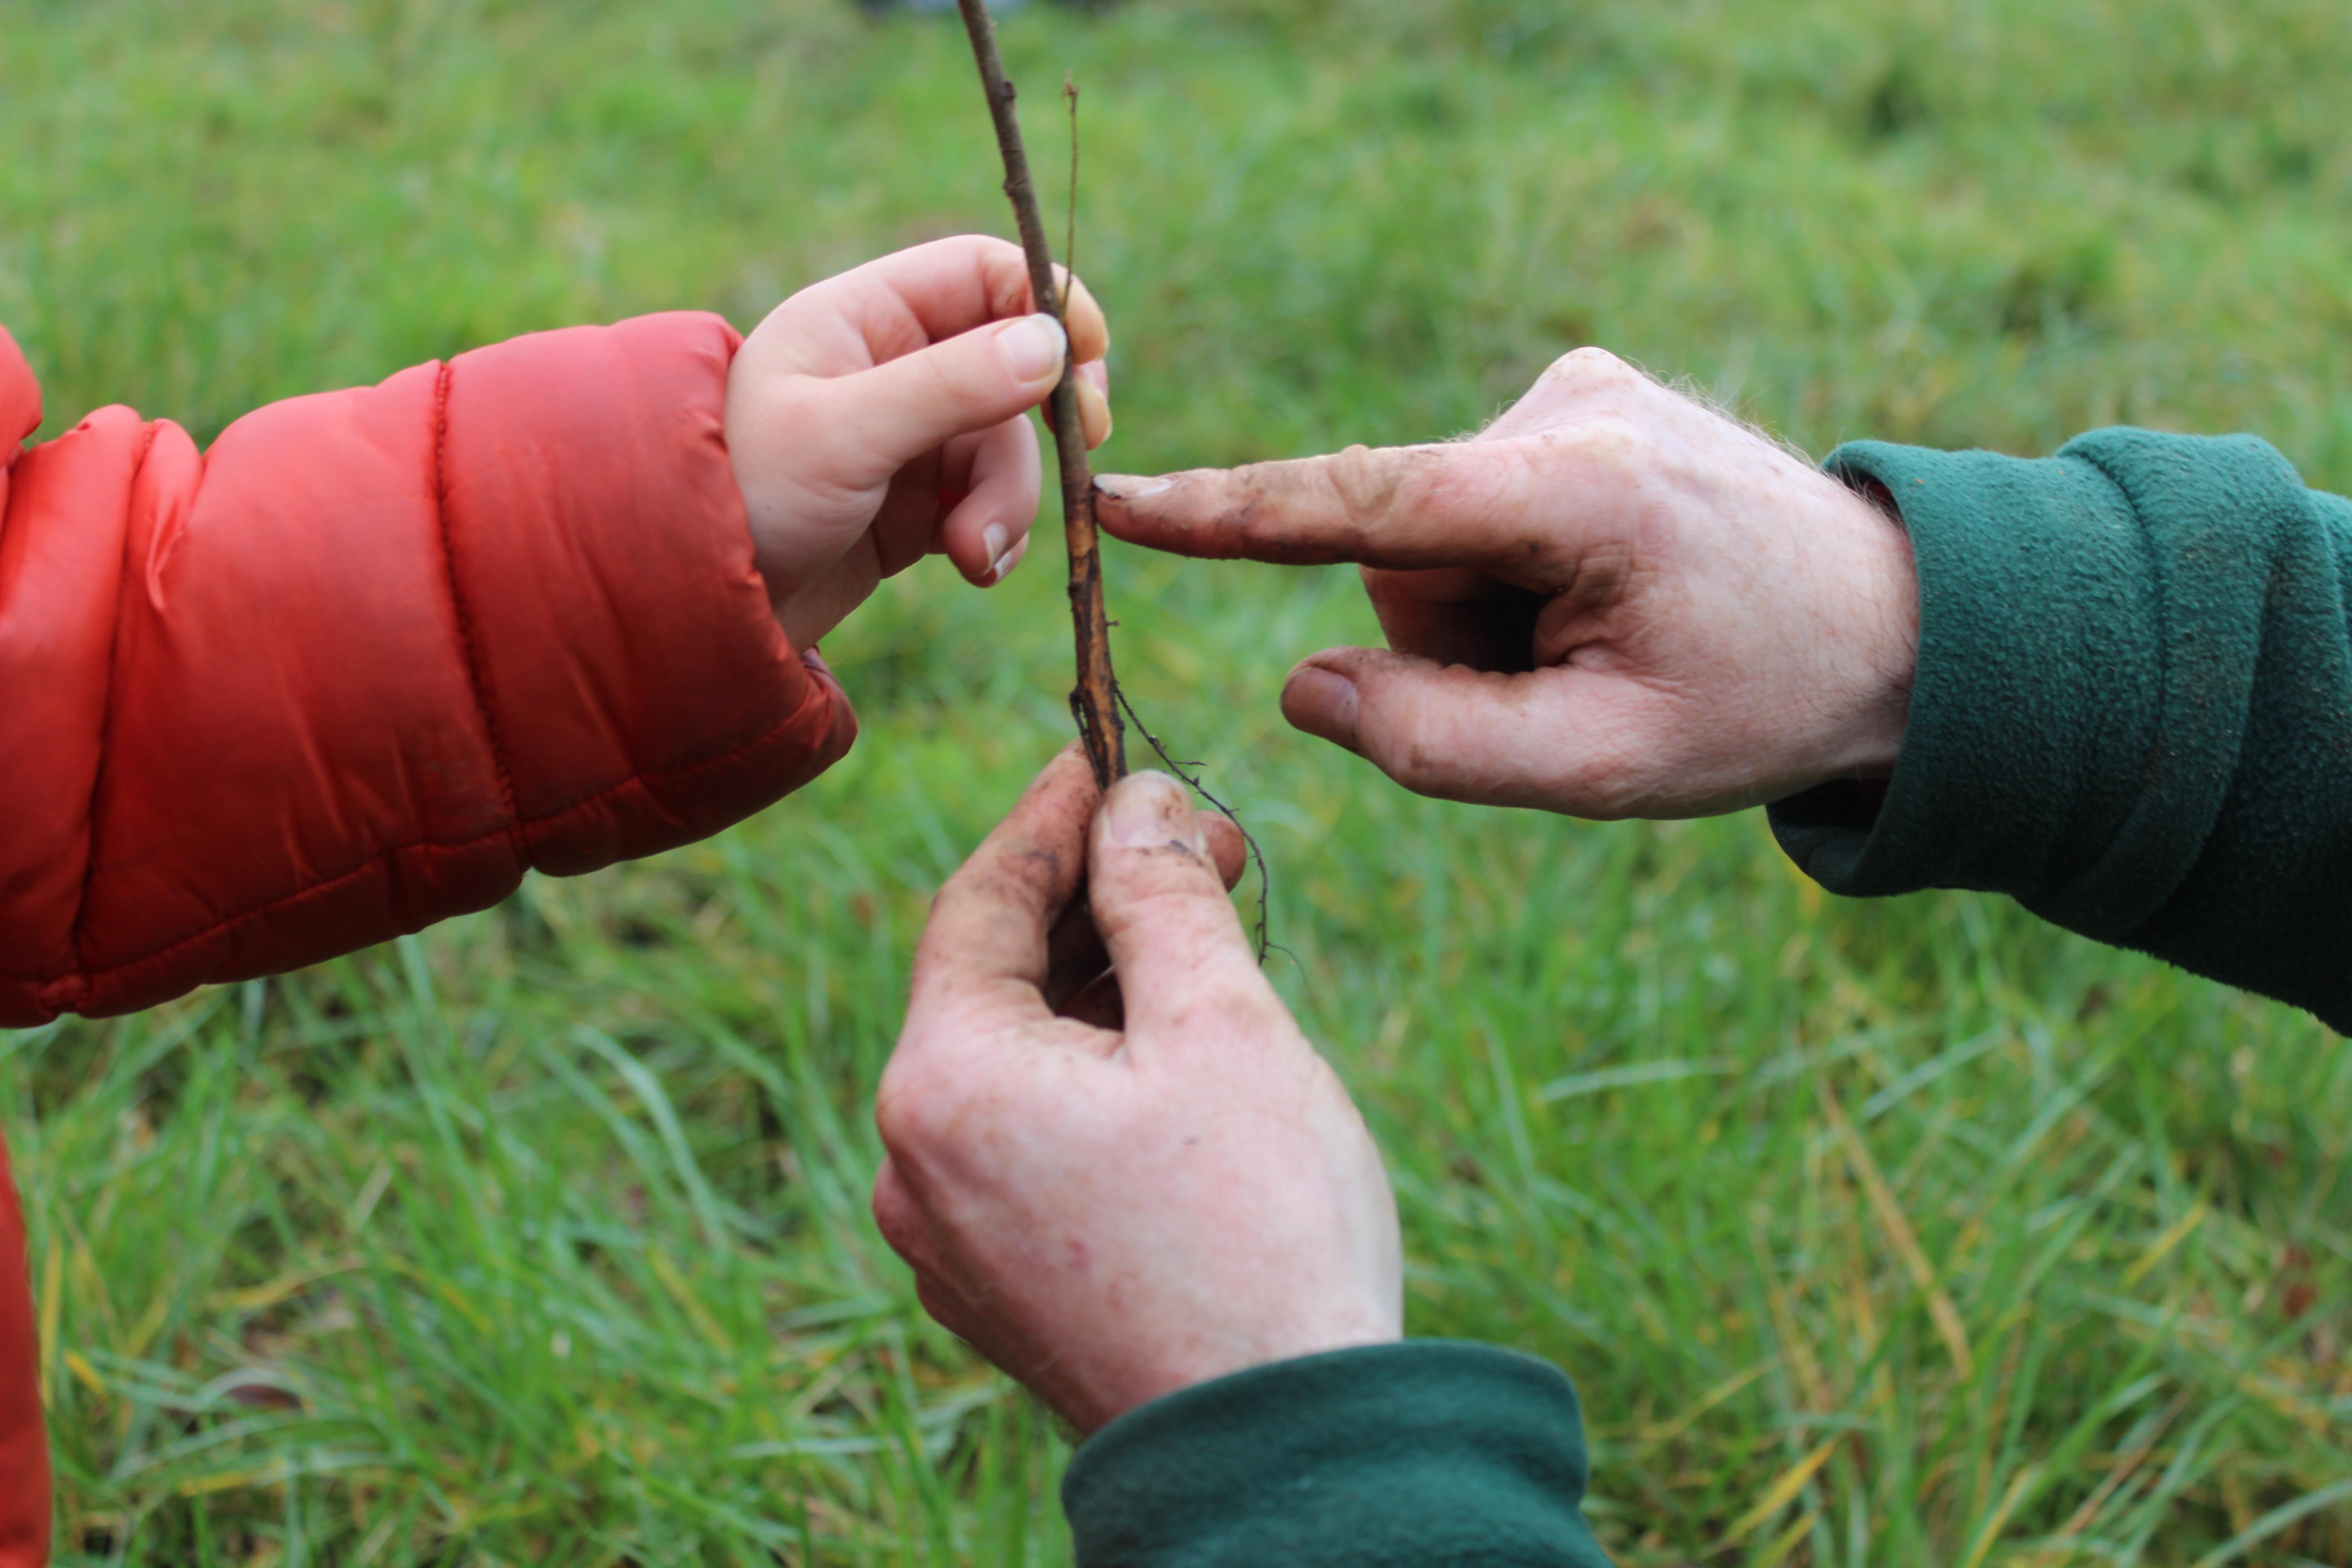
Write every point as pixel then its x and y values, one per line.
pixel 1668 1431
pixel 1773 1555
pixel 2174 1235
pixel 1899 1233
pixel 262 1297
pixel 1778 1495
pixel 2127 1465
pixel 2018 1486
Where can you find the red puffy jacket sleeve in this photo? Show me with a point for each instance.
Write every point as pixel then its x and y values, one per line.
pixel 373 656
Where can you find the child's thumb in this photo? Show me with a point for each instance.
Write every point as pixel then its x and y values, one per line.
pixel 893 414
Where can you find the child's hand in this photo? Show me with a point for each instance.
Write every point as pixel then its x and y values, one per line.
pixel 878 417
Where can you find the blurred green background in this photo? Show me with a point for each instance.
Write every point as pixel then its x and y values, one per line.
pixel 541 1239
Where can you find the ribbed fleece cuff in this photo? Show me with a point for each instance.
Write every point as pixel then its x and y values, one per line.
pixel 1402 1455
pixel 2035 705
pixel 2131 704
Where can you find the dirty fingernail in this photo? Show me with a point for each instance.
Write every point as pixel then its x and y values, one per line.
pixel 1322 702
pixel 1033 347
pixel 1148 809
pixel 1130 487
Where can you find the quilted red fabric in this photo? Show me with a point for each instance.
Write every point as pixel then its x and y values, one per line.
pixel 355 669
pixel 24 1445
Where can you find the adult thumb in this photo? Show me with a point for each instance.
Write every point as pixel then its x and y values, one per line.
pixel 885 417
pixel 1165 918
pixel 1453 733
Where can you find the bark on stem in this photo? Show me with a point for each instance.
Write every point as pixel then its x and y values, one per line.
pixel 1095 699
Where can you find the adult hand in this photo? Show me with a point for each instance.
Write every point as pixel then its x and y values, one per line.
pixel 1113 1211
pixel 1613 602
pixel 879 416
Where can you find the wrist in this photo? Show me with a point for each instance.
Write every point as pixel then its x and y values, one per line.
pixel 1216 1356
pixel 1879 635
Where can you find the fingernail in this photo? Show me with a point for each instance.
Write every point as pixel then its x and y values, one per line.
pixel 1094 413
pixel 1148 809
pixel 1323 703
pixel 1033 347
pixel 1130 487
pixel 992 542
pixel 1008 561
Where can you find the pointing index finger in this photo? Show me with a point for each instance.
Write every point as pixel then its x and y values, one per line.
pixel 1404 508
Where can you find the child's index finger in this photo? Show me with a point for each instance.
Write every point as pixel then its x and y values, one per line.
pixel 1088 328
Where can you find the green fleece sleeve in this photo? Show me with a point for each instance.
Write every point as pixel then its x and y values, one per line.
pixel 2133 707
pixel 1403 1455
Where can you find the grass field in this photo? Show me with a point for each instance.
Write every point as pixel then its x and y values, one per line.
pixel 1906 1233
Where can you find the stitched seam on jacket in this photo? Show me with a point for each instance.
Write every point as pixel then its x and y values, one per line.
pixel 475 678
pixel 822 691
pixel 106 716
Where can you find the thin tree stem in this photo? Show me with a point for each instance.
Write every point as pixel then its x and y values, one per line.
pixel 1094 701
pixel 1070 237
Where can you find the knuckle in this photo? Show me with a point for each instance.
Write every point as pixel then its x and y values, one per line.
pixel 1180 903
pixel 896 1217
pixel 1363 479
pixel 1608 783
pixel 1254 510
pixel 964 375
pixel 1406 736
pixel 1455 735
pixel 992 886
pixel 792 402
pixel 1418 764
pixel 1611 446
pixel 1472 488
pixel 1596 366
pixel 911 1111
pixel 1377 485
pixel 1003 267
